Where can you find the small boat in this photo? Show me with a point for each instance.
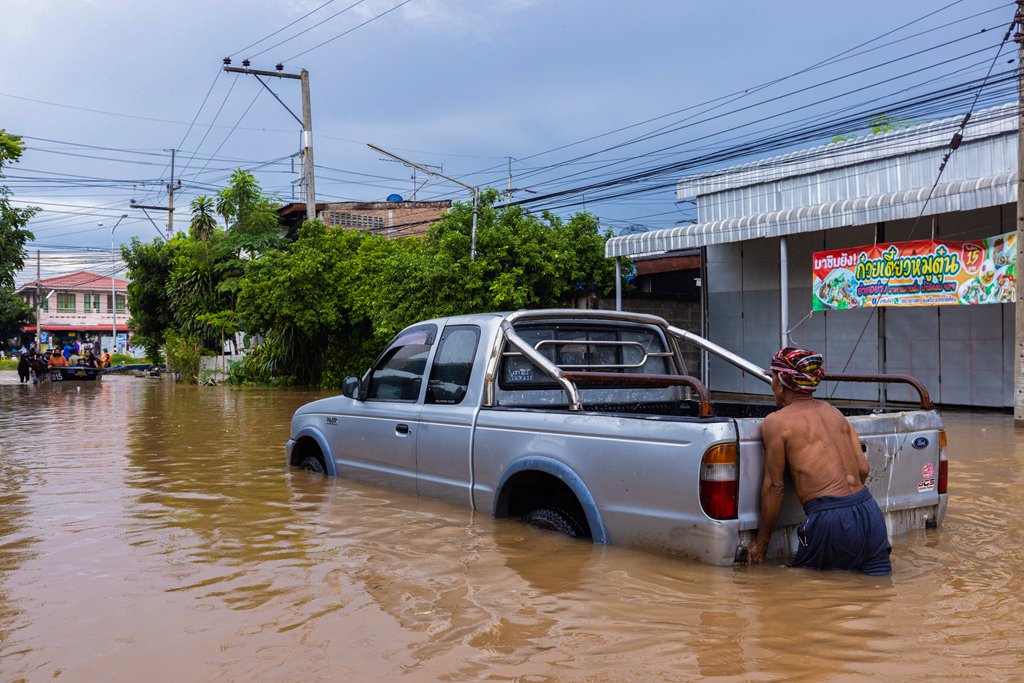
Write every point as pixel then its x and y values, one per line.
pixel 74 373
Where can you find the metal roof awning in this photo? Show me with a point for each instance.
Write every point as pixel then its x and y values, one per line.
pixel 960 195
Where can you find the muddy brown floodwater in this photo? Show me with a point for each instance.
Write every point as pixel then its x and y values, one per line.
pixel 152 532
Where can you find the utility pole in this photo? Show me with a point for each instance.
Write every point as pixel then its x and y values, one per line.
pixel 39 293
pixel 171 187
pixel 509 194
pixel 170 228
pixel 170 196
pixel 306 121
pixel 1018 358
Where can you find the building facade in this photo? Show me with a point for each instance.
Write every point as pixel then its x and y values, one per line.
pixel 79 307
pixel 389 219
pixel 758 225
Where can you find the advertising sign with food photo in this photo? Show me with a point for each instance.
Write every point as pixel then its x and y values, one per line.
pixel 921 273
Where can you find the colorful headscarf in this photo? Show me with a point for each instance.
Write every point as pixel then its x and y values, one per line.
pixel 798 369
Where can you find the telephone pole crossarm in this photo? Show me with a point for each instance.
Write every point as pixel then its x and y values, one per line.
pixel 306 122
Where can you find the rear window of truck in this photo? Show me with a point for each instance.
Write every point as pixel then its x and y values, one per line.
pixel 584 348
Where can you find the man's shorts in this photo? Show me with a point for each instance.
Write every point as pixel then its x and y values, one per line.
pixel 846 532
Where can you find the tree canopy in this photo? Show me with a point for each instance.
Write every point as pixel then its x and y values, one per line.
pixel 14 312
pixel 332 300
pixel 324 306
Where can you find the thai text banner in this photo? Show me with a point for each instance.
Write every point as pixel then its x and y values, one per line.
pixel 921 273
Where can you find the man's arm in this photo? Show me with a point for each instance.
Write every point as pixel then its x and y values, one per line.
pixel 771 489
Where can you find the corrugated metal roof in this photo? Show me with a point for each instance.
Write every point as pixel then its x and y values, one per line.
pixel 887 145
pixel 960 195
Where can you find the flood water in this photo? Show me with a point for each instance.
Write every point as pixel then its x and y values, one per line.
pixel 152 532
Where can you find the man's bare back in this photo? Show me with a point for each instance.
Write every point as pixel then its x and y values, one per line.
pixel 819 447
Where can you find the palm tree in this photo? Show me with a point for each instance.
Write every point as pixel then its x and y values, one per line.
pixel 203 222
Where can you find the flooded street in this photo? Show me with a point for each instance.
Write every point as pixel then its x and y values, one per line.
pixel 152 531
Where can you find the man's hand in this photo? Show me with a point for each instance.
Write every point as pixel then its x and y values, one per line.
pixel 756 552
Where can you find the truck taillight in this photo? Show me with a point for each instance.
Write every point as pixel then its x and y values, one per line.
pixel 943 462
pixel 719 481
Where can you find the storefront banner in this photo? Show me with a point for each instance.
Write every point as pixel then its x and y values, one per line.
pixel 921 273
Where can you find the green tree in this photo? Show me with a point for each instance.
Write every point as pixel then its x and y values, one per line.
pixel 329 304
pixel 148 268
pixel 203 223
pixel 189 284
pixel 13 311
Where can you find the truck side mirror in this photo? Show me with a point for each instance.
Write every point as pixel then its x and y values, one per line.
pixel 350 387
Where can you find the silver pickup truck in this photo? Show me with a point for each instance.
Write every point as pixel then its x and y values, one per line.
pixel 588 423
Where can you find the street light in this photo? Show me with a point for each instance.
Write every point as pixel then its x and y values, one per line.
pixel 474 190
pixel 113 291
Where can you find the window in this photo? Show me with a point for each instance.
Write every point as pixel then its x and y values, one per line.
pixel 65 302
pixel 354 220
pixel 398 374
pixel 453 364
pixel 120 303
pixel 584 348
pixel 92 303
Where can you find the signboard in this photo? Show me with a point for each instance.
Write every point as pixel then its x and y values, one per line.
pixel 921 273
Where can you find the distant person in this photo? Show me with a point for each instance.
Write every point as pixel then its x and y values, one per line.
pixel 105 359
pixel 57 360
pixel 844 528
pixel 24 368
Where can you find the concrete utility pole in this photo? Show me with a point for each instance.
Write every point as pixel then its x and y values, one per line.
pixel 474 190
pixel 306 121
pixel 170 196
pixel 39 293
pixel 1018 358
pixel 171 187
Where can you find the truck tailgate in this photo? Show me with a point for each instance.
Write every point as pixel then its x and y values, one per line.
pixel 902 449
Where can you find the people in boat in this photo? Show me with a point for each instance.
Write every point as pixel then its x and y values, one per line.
pixel 74 358
pixel 105 359
pixel 57 360
pixel 91 360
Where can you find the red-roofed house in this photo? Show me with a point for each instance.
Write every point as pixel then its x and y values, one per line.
pixel 79 307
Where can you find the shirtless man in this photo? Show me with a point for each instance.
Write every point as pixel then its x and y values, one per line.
pixel 844 528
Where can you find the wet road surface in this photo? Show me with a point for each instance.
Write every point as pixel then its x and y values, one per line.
pixel 152 532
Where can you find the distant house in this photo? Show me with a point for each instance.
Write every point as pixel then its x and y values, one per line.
pixel 78 307
pixel 389 219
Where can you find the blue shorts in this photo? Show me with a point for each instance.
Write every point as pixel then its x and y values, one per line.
pixel 846 532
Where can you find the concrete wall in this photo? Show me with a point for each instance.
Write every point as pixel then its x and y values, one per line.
pixel 963 354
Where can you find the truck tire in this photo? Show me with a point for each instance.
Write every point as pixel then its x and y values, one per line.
pixel 311 463
pixel 556 519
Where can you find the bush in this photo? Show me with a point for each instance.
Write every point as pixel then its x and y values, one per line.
pixel 123 359
pixel 8 364
pixel 183 353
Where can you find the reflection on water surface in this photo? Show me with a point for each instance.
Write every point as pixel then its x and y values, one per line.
pixel 151 530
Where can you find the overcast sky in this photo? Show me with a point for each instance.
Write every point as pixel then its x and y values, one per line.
pixel 102 89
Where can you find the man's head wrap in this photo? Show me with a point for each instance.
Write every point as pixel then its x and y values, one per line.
pixel 798 369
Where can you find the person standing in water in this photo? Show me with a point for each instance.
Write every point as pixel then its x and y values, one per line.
pixel 844 528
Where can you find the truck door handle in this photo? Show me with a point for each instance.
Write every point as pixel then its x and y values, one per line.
pixel 402 429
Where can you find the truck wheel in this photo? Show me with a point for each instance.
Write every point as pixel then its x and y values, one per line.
pixel 556 519
pixel 311 463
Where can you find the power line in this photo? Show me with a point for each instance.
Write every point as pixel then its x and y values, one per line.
pixel 345 33
pixel 306 30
